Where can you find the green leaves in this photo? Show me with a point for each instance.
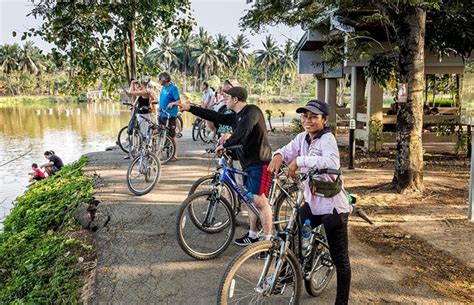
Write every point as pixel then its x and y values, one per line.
pixel 38 258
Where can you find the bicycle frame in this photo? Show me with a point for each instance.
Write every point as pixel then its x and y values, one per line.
pixel 283 242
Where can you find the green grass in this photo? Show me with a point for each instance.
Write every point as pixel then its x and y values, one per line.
pixel 38 254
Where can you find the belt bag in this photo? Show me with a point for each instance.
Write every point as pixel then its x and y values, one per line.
pixel 324 188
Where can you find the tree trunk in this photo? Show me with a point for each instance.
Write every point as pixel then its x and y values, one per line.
pixel 409 159
pixel 281 84
pixel 265 84
pixel 127 68
pixel 133 54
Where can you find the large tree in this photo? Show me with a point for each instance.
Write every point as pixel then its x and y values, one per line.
pixel 402 25
pixel 102 38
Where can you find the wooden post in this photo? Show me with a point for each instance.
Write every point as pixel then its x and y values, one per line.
pixel 330 99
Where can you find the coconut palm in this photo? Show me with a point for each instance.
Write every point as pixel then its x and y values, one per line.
pixel 9 57
pixel 268 56
pixel 30 58
pixel 183 50
pixel 240 58
pixel 164 54
pixel 223 53
pixel 286 63
pixel 205 55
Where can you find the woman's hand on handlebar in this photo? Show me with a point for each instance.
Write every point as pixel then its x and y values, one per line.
pixel 275 164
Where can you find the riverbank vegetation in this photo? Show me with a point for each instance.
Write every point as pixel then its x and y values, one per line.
pixel 42 256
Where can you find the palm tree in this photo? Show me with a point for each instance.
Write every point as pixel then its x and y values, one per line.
pixel 223 53
pixel 240 58
pixel 205 55
pixel 31 59
pixel 9 57
pixel 164 53
pixel 184 47
pixel 286 63
pixel 268 56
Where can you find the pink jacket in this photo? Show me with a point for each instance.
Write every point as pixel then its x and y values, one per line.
pixel 322 152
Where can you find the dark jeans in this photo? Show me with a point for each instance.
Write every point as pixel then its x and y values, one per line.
pixel 335 226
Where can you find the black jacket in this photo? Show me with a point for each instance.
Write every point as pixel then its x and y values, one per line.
pixel 249 130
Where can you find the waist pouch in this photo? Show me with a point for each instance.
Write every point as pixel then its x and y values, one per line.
pixel 324 188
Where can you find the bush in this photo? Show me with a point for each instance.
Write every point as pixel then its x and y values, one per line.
pixel 38 256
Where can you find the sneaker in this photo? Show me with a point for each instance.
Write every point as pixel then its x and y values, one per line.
pixel 245 240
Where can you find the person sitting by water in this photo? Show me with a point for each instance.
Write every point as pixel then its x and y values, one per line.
pixel 54 163
pixel 37 173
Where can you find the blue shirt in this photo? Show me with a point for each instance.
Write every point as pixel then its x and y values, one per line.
pixel 169 94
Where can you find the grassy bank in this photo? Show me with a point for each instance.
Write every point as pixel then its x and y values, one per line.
pixel 7 101
pixel 41 258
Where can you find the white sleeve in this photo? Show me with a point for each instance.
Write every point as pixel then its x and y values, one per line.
pixel 328 159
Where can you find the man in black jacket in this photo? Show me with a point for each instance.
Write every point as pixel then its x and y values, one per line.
pixel 249 130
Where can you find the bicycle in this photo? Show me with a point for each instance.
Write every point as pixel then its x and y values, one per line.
pixel 212 217
pixel 145 166
pixel 163 145
pixel 273 271
pixel 128 138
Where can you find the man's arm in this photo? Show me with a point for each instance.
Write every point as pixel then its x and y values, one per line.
pixel 213 116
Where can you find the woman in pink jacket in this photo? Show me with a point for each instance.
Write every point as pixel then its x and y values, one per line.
pixel 316 147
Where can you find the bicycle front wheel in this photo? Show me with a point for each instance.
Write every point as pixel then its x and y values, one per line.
pixel 209 230
pixel 123 139
pixel 143 174
pixel 248 279
pixel 206 183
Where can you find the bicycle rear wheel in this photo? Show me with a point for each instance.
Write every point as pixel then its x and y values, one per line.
pixel 168 151
pixel 123 139
pixel 143 174
pixel 283 207
pixel 322 271
pixel 196 129
pixel 209 231
pixel 179 127
pixel 135 140
pixel 248 277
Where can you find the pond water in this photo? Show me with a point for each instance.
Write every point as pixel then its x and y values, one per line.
pixel 69 129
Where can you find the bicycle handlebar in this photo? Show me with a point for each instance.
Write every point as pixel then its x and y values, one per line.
pixel 127 104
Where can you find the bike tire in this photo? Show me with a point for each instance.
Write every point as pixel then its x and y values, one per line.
pixel 255 249
pixel 180 223
pixel 203 180
pixel 124 144
pixel 179 127
pixel 204 132
pixel 169 145
pixel 283 207
pixel 136 141
pixel 153 182
pixel 319 280
pixel 196 129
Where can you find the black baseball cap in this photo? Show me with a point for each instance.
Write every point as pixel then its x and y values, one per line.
pixel 315 106
pixel 238 92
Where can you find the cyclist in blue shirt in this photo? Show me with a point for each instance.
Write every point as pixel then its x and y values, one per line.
pixel 169 94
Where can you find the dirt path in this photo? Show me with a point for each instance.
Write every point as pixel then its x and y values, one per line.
pixel 140 262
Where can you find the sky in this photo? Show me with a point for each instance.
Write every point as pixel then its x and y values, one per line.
pixel 216 16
